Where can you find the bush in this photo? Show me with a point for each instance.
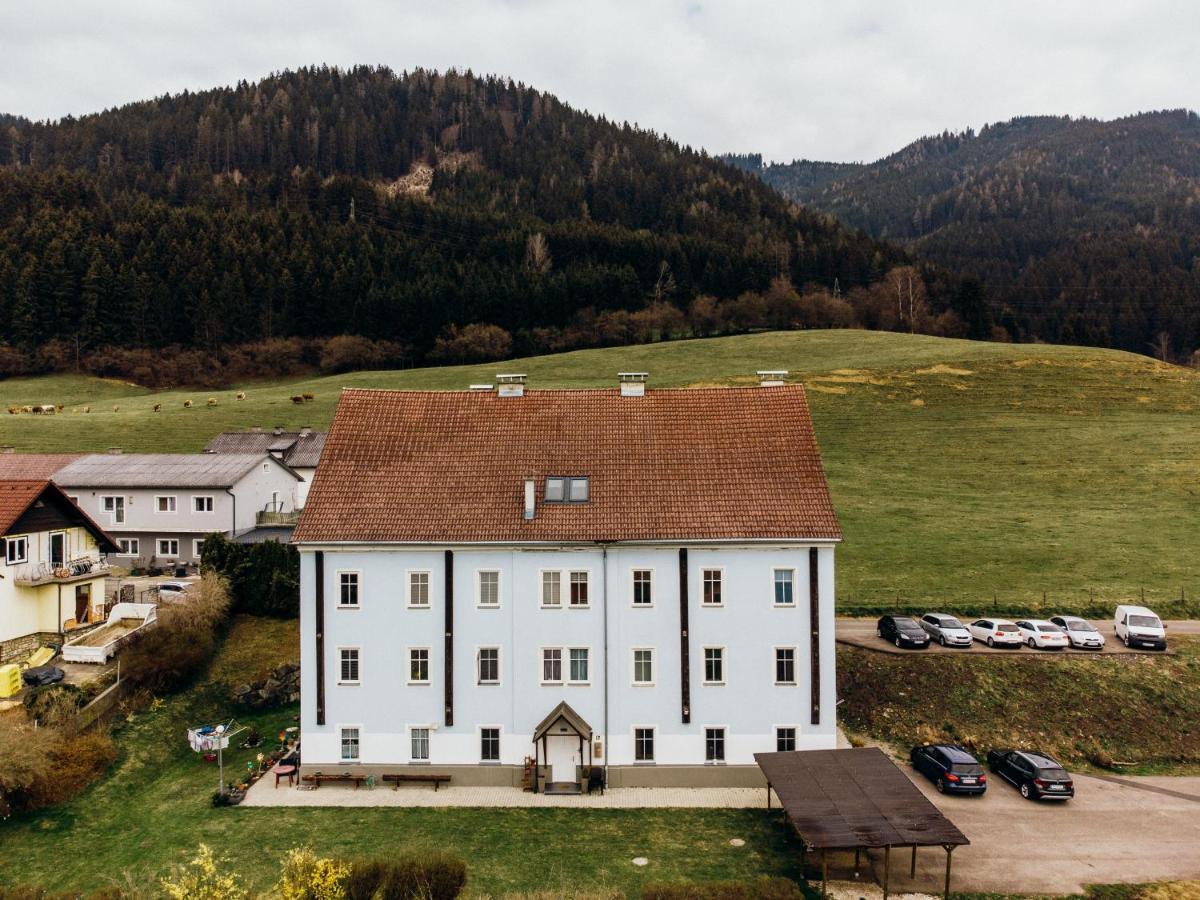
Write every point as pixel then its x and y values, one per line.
pixel 169 654
pixel 263 579
pixel 202 879
pixel 758 889
pixel 75 762
pixel 434 876
pixel 43 766
pixel 54 704
pixel 306 876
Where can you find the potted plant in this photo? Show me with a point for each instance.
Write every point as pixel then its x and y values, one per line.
pixel 585 778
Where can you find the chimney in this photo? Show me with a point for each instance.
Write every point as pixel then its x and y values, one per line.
pixel 633 384
pixel 511 385
pixel 772 377
pixel 256 429
pixel 278 429
pixel 305 430
pixel 114 451
pixel 480 388
pixel 8 448
pixel 530 498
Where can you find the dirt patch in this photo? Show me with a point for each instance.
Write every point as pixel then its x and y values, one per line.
pixel 943 369
pixel 918 402
pixel 828 389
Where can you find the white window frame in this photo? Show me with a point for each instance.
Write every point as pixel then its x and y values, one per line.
pixel 412 757
pixel 542 679
pixel 775 570
pixel 724 729
pixel 196 543
pixel 209 501
pixel 795 736
pixel 342 729
pixel 795 665
pixel 129 546
pixel 703 571
pixel 499 744
pixel 173 503
pixel 12 558
pixel 542 573
pixel 358 588
pixel 587 586
pixel 479 666
pixel 653 729
pixel 567 662
pixel 158 542
pixel 633 588
pixel 112 513
pixel 408 588
pixel 633 652
pixel 724 659
pixel 428 666
pixel 479 573
pixel 357 662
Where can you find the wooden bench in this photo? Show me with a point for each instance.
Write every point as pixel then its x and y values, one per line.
pixel 319 777
pixel 436 780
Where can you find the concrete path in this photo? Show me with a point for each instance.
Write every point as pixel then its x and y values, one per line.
pixel 264 793
pixel 857 632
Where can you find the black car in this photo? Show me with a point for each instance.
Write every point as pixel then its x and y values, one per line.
pixel 1036 775
pixel 902 631
pixel 42 675
pixel 950 767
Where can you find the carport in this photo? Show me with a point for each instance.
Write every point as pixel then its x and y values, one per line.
pixel 856 800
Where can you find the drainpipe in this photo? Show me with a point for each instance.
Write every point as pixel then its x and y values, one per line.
pixel 61 631
pixel 233 521
pixel 604 606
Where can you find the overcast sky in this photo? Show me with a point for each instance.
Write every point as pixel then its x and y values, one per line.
pixel 788 78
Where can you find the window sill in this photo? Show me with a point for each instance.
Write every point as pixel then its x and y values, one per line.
pixel 714 684
pixel 348 606
pixel 579 606
pixel 487 605
pixel 489 762
pixel 579 684
pixel 487 684
pixel 785 684
pixel 551 606
pixel 783 605
pixel 419 606
pixel 714 762
pixel 643 684
pixel 712 605
pixel 641 606
pixel 551 684
pixel 643 762
pixel 418 683
pixel 349 683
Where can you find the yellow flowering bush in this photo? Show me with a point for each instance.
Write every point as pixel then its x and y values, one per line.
pixel 306 876
pixel 202 879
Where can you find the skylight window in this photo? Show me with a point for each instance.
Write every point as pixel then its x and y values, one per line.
pixel 568 489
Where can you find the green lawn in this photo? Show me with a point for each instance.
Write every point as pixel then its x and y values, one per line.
pixel 960 470
pixel 153 810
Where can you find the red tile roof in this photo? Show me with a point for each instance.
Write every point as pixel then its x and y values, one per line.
pixel 442 466
pixel 34 465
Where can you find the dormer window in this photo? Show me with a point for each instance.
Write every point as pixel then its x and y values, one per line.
pixel 564 489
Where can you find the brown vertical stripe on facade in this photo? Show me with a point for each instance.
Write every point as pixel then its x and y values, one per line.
pixel 449 674
pixel 320 630
pixel 684 661
pixel 814 650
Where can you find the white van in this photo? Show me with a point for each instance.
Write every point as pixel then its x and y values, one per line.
pixel 1140 627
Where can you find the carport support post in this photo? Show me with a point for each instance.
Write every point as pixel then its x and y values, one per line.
pixel 857 850
pixel 912 872
pixel 949 850
pixel 824 873
pixel 887 866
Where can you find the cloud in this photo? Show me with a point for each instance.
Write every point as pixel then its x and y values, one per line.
pixel 788 78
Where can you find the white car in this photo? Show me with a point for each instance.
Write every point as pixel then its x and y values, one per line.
pixel 172 588
pixel 1081 633
pixel 1140 627
pixel 1042 634
pixel 996 633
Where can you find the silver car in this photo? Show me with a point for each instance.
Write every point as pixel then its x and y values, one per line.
pixel 946 630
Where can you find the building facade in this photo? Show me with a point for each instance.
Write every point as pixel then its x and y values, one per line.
pixel 536 586
pixel 51 566
pixel 299 450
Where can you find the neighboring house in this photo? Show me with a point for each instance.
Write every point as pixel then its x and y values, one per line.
pixel 636 579
pixel 299 450
pixel 51 570
pixel 159 507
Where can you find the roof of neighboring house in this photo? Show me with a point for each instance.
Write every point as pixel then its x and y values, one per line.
pixel 132 470
pixel 263 533
pixel 35 466
pixel 299 449
pixel 698 464
pixel 18 495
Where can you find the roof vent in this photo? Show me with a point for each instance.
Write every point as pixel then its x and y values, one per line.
pixel 114 451
pixel 633 384
pixel 772 377
pixel 511 385
pixel 305 430
pixel 278 429
pixel 479 388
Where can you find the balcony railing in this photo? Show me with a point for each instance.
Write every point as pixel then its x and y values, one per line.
pixel 274 513
pixel 72 570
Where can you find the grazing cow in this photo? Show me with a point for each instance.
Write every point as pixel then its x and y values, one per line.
pixel 116 408
pixel 157 407
pixel 187 404
pixel 212 401
pixel 307 396
pixel 14 410
pixel 87 409
pixel 297 399
pixel 241 395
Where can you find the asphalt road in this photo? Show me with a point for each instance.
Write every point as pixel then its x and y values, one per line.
pixel 861 633
pixel 1113 831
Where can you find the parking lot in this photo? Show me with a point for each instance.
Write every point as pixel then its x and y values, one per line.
pixel 1116 830
pixel 861 633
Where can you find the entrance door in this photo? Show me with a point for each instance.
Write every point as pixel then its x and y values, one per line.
pixel 562 752
pixel 83 600
pixel 58 549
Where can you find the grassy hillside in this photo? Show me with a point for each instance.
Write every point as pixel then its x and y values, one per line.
pixel 959 469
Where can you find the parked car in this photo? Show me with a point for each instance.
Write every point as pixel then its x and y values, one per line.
pixel 1137 626
pixel 903 631
pixel 42 675
pixel 946 630
pixel 996 633
pixel 173 588
pixel 1080 632
pixel 1036 775
pixel 1042 635
pixel 951 768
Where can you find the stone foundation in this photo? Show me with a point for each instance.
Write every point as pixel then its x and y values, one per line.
pixel 19 648
pixel 655 776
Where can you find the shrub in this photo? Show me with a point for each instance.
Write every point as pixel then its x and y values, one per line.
pixel 173 651
pixel 42 766
pixel 263 579
pixel 202 879
pixel 477 342
pixel 306 876
pixel 54 704
pixel 75 762
pixel 757 889
pixel 434 876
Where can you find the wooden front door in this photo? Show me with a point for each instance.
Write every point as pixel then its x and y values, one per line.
pixel 83 601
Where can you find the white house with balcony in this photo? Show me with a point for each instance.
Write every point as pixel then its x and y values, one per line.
pixel 51 566
pixel 533 587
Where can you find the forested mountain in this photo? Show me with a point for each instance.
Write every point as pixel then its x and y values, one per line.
pixel 1080 231
pixel 451 216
